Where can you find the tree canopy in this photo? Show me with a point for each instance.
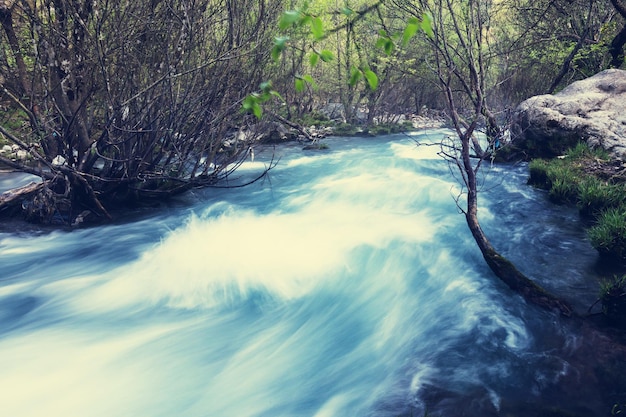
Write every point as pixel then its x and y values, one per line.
pixel 119 101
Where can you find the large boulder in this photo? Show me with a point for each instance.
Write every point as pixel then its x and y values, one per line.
pixel 591 110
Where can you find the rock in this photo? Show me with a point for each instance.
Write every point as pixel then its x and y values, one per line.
pixel 278 133
pixel 590 110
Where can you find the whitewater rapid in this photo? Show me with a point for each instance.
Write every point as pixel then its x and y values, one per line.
pixel 344 284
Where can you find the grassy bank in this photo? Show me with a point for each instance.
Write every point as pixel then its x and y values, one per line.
pixel 596 185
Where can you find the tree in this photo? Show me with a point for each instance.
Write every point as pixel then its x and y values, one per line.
pixel 616 47
pixel 550 43
pixel 460 39
pixel 122 101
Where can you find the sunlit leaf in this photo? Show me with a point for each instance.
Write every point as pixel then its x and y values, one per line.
pixel 288 18
pixel 411 29
pixel 257 110
pixel 299 85
pixel 309 79
pixel 372 79
pixel 380 42
pixel 355 76
pixel 251 104
pixel 277 94
pixel 280 44
pixel 248 102
pixel 313 59
pixel 317 27
pixel 327 55
pixel 276 51
pixel 388 47
pixel 427 25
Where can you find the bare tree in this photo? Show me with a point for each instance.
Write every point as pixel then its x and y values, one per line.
pixel 120 100
pixel 460 43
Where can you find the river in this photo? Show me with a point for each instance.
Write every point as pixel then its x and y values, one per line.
pixel 344 284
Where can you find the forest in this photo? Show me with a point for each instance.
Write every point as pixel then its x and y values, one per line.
pixel 113 103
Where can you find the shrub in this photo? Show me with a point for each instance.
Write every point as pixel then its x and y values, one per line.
pixel 608 236
pixel 345 129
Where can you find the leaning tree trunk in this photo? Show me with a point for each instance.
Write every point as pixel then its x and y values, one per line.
pixel 502 267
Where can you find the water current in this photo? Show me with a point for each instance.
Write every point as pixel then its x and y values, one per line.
pixel 344 284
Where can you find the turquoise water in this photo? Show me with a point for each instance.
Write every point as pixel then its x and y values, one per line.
pixel 344 284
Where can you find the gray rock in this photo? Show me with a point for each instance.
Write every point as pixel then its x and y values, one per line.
pixel 591 110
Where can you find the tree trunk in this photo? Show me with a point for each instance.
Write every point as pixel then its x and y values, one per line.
pixel 617 45
pixel 506 271
pixel 6 19
pixel 617 49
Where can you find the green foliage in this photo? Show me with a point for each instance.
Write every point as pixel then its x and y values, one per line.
pixel 252 103
pixel 345 129
pixel 608 236
pixel 315 119
pixel 304 20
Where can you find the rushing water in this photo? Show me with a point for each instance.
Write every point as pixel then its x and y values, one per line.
pixel 345 284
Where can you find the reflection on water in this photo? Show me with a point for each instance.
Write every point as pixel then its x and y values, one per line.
pixel 345 285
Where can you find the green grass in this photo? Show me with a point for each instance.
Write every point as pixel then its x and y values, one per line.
pixel 596 196
pixel 600 201
pixel 608 235
pixel 557 176
pixel 613 297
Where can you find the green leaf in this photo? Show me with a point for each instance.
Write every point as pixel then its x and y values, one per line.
pixel 411 29
pixel 277 94
pixel 251 104
pixel 288 18
pixel 299 85
pixel 372 79
pixel 265 86
pixel 276 51
pixel 280 44
pixel 313 59
pixel 309 79
pixel 248 102
pixel 347 11
pixel 427 25
pixel 327 55
pixel 355 76
pixel 257 110
pixel 281 41
pixel 317 27
pixel 388 47
pixel 380 42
